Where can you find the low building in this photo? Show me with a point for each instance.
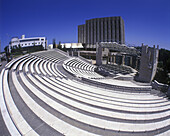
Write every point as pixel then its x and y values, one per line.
pixel 27 42
pixel 50 46
pixel 72 45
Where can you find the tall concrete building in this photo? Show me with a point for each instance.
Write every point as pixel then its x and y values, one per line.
pixel 108 29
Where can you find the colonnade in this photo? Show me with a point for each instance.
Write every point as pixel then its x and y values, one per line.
pixel 123 59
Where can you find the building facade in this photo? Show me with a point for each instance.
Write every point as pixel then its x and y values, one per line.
pixel 27 42
pixel 112 53
pixel 108 29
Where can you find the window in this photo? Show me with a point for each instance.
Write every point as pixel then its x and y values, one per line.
pixel 42 39
pixel 27 40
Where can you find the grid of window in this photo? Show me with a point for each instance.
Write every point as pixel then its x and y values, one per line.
pixel 109 29
pixel 28 40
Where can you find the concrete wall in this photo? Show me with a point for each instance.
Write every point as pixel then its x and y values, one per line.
pixel 148 63
pixel 159 86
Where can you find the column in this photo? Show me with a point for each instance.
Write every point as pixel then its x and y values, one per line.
pixel 114 59
pixel 121 31
pixel 92 41
pixel 88 32
pixel 123 59
pixel 78 53
pixel 117 30
pixel 105 29
pixel 113 30
pixel 98 30
pixel 98 54
pixel 111 59
pixel 84 35
pixel 130 60
pixel 136 63
pixel 101 28
pixel 109 30
pixel 94 32
pixel 107 59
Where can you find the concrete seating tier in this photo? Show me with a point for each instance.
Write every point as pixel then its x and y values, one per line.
pixel 117 69
pixel 80 68
pixel 85 71
pixel 50 55
pixel 38 99
pixel 120 85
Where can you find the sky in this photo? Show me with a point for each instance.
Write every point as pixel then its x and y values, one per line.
pixel 146 21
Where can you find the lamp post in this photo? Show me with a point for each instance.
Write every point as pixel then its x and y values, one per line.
pixel 9 46
pixel 0 46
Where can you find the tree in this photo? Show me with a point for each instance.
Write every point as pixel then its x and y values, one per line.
pixel 54 43
pixel 19 48
pixel 6 49
pixel 84 45
pixel 59 45
pixel 163 67
pixel 64 48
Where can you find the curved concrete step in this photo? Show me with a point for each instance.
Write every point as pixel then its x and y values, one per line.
pixel 92 121
pixel 47 117
pixel 125 103
pixel 4 110
pixel 102 112
pixel 87 110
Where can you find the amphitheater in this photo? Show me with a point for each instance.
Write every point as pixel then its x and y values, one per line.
pixel 50 93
